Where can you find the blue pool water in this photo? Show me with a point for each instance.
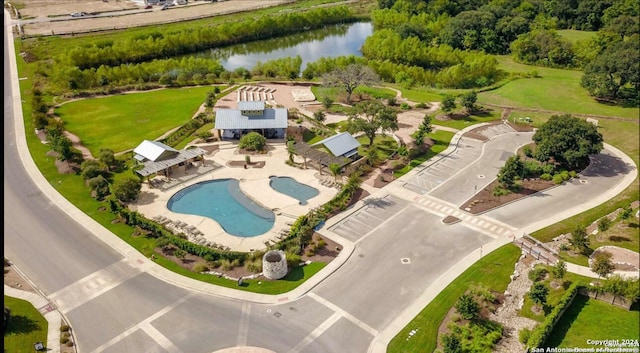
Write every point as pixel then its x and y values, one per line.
pixel 291 187
pixel 223 201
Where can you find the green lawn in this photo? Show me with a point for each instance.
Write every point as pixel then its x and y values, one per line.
pixel 553 89
pixel 592 319
pixel 441 141
pixel 575 36
pixel 26 327
pixel 491 272
pixel 122 121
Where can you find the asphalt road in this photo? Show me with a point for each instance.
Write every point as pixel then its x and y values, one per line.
pixel 401 250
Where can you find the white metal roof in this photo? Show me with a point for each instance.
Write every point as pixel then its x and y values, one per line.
pixel 271 118
pixel 342 144
pixel 151 167
pixel 153 150
pixel 251 105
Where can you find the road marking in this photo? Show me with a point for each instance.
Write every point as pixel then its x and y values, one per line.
pixel 243 332
pixel 316 333
pixel 161 339
pixel 343 313
pixel 145 325
pixel 93 285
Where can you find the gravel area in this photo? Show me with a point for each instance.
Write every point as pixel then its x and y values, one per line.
pixel 507 314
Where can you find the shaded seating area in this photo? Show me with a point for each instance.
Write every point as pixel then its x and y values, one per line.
pixel 323 159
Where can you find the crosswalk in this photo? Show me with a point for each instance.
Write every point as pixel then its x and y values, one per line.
pixel 485 225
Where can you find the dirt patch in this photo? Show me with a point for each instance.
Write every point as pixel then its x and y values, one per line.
pixel 115 14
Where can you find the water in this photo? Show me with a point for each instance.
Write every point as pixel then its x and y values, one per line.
pixel 291 187
pixel 223 201
pixel 332 41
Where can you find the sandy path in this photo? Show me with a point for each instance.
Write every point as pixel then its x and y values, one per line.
pixel 46 17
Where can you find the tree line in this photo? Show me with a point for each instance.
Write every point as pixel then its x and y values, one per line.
pixel 436 35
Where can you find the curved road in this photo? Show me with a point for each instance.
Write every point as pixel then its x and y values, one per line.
pixel 397 256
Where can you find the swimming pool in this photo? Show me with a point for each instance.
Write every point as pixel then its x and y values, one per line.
pixel 291 187
pixel 223 201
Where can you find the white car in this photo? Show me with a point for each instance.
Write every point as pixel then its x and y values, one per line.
pixel 78 14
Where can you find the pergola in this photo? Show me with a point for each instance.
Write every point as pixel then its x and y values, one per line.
pixel 323 158
pixel 151 167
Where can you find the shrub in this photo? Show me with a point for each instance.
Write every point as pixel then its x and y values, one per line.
pixel 537 273
pixel 626 212
pixel 205 135
pixel 200 267
pixel 64 340
pixel 548 168
pixel 467 307
pixel 604 223
pixel 253 141
pixel 321 244
pixel 421 105
pixel 64 328
pixel 293 259
pixel 391 101
pixel 500 191
pixel 254 266
pixel 558 179
pixel 545 176
pixel 226 265
pixel 405 106
pixel 70 343
pixel 523 335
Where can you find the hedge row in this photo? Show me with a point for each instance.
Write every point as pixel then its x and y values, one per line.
pixel 541 333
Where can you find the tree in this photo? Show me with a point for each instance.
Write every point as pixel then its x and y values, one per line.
pixel 614 73
pixel 370 117
pixel 350 77
pixel 127 189
pixel 371 155
pixel 108 158
pixel 579 240
pixel 319 116
pixel 568 140
pixel 253 141
pixel 451 343
pixel 334 168
pixel 468 100
pixel 538 293
pixel 601 264
pixel 512 168
pixel 468 308
pixel 424 129
pixel 559 269
pixel 448 103
pixel 621 286
pixel 91 168
pixel 291 150
pixel 100 186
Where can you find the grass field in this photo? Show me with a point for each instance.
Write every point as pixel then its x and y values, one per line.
pixel 592 319
pixel 26 327
pixel 491 272
pixel 553 89
pixel 122 121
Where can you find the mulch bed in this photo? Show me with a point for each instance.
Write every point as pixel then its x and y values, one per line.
pixel 242 164
pixel 484 200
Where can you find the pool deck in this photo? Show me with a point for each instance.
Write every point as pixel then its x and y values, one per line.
pixel 254 182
